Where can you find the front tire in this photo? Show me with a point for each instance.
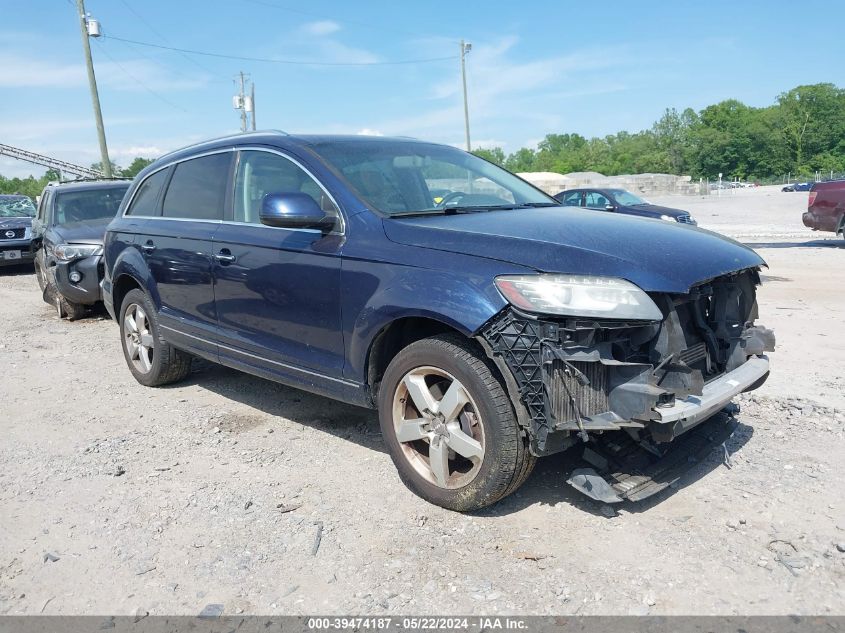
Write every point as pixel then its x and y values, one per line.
pixel 151 360
pixel 449 425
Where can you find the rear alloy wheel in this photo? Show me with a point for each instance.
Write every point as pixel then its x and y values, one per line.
pixel 151 360
pixel 449 426
pixel 138 339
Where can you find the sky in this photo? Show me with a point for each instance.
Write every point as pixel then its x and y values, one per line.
pixel 535 68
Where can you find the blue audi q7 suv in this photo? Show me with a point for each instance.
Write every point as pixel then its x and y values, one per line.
pixel 487 324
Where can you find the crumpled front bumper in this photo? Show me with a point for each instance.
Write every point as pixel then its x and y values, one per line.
pixel 87 290
pixel 618 469
pixel 692 410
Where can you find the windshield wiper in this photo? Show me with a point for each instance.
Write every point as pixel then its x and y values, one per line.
pixel 539 205
pixel 408 214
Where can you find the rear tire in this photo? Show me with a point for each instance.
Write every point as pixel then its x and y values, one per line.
pixel 462 449
pixel 152 361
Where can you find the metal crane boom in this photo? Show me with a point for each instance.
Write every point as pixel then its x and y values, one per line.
pixel 50 163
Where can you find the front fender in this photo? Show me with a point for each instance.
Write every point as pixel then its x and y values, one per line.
pixel 463 303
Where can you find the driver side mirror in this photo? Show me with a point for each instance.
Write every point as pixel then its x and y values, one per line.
pixel 610 207
pixel 294 210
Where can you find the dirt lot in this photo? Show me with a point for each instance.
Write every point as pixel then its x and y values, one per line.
pixel 115 498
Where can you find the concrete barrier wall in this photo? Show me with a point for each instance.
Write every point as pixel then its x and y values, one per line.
pixel 642 184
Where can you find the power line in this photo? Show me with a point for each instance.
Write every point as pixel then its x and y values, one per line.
pixel 162 37
pixel 289 62
pixel 138 81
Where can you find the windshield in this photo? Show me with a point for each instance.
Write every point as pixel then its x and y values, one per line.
pixel 626 198
pixel 91 204
pixel 16 207
pixel 404 177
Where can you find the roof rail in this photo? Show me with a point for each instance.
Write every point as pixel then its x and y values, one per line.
pixel 227 137
pixel 87 179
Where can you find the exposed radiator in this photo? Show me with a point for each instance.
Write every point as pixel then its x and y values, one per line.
pixel 591 399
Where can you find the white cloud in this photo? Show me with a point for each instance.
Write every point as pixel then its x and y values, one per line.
pixel 133 151
pixel 368 132
pixel 128 75
pixel 321 27
pixel 505 92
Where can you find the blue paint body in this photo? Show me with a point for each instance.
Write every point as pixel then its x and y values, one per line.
pixel 303 307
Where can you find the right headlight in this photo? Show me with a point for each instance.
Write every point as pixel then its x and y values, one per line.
pixel 578 295
pixel 71 252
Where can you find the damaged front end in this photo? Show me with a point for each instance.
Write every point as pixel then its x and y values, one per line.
pixel 652 381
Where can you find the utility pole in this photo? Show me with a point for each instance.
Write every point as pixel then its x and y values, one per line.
pixel 252 99
pixel 465 48
pixel 246 104
pixel 94 31
pixel 243 105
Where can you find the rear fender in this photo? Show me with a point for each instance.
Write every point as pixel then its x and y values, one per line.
pixel 131 262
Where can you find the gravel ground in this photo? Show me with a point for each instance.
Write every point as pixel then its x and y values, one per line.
pixel 230 490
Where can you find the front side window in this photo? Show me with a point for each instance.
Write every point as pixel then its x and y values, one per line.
pixel 595 200
pixel 86 205
pixel 43 205
pixel 572 199
pixel 146 198
pixel 197 190
pixel 261 173
pixel 406 177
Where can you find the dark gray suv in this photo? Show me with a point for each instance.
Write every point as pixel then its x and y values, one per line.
pixel 68 234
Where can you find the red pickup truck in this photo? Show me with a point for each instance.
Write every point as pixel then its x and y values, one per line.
pixel 826 207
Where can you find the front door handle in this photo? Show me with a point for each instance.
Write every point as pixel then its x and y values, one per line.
pixel 149 247
pixel 225 257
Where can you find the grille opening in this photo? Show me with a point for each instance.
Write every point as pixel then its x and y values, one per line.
pixel 591 399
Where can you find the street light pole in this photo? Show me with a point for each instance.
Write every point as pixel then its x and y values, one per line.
pixel 92 84
pixel 465 48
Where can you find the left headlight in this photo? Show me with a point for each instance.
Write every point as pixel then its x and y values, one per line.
pixel 669 218
pixel 70 252
pixel 576 295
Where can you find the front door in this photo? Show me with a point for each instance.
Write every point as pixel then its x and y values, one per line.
pixel 277 290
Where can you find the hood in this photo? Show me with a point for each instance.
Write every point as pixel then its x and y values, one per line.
pixel 84 232
pixel 656 255
pixel 15 223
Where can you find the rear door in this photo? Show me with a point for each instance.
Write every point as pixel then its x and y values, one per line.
pixel 175 242
pixel 277 290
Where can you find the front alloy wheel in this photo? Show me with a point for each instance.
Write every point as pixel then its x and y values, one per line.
pixel 438 428
pixel 449 425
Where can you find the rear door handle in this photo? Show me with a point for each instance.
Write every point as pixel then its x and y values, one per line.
pixel 149 247
pixel 225 257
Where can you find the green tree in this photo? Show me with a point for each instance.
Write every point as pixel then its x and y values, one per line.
pixel 522 160
pixel 115 168
pixel 136 166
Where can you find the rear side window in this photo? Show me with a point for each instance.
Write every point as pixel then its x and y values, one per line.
pixel 197 190
pixel 145 200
